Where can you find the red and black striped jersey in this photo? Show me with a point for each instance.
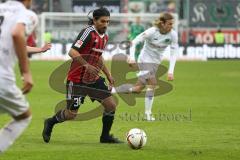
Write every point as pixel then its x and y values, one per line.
pixel 90 45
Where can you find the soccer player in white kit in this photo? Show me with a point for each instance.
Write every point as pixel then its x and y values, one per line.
pixel 156 40
pixel 15 24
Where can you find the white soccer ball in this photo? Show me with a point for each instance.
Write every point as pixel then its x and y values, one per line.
pixel 136 138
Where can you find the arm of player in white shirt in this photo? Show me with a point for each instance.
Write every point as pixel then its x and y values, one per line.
pixel 140 39
pixel 35 50
pixel 18 36
pixel 173 55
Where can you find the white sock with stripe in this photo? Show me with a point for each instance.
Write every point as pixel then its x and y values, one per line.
pixel 10 132
pixel 125 88
pixel 149 97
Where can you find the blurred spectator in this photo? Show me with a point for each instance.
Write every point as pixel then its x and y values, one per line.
pixel 136 29
pixel 219 37
pixel 191 37
pixel 171 7
pixel 157 6
pixel 47 37
pixel 40 6
pixel 57 6
pixel 136 7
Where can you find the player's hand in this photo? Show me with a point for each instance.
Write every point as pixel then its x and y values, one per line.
pixel 91 69
pixel 132 65
pixel 46 47
pixel 131 62
pixel 111 82
pixel 170 77
pixel 27 82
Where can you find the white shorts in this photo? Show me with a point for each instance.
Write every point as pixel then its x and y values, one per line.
pixel 12 101
pixel 147 71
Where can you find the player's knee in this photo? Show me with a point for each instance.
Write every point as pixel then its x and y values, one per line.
pixel 138 90
pixel 150 92
pixel 151 87
pixel 109 104
pixel 23 116
pixel 70 115
pixel 111 107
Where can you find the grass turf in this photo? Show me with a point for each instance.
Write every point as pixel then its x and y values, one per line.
pixel 209 92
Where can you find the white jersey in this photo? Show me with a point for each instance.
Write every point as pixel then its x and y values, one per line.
pixel 155 44
pixel 11 13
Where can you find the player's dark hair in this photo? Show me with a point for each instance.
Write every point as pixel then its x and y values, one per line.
pixel 90 17
pixel 96 14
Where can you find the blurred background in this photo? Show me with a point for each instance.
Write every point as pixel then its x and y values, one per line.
pixel 207 28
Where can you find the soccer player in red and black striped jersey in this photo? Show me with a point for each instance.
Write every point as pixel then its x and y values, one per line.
pixel 83 77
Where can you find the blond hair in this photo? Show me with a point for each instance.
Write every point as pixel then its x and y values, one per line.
pixel 162 19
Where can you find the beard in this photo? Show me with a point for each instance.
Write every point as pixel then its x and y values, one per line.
pixel 103 30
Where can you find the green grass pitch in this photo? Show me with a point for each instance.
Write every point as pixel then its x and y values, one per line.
pixel 207 94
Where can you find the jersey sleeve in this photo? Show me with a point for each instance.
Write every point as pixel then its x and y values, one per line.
pixel 174 44
pixel 29 19
pixel 146 35
pixel 82 39
pixel 173 52
pixel 32 22
pixel 23 18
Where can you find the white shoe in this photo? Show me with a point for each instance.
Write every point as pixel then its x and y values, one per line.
pixel 149 117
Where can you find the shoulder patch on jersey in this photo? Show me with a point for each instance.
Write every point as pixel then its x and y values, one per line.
pixel 87 31
pixel 167 40
pixel 78 44
pixel 83 37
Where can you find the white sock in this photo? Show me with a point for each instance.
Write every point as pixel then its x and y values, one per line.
pixel 113 91
pixel 10 132
pixel 125 88
pixel 130 90
pixel 149 97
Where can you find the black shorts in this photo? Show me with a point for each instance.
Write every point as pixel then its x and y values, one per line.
pixel 76 92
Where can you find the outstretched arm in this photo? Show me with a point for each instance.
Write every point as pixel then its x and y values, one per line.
pixel 139 39
pixel 18 35
pixel 107 72
pixel 35 50
pixel 173 56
